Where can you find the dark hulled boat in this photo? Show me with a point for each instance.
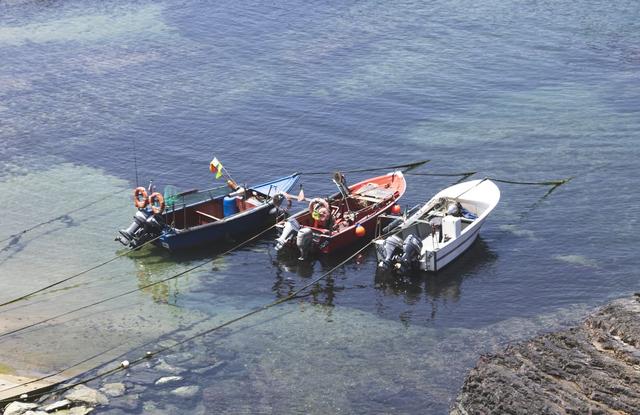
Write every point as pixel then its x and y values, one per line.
pixel 198 218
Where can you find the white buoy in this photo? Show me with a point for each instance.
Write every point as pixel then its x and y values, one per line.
pixel 124 364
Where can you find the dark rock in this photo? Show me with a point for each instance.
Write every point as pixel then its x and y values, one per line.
pixel 588 369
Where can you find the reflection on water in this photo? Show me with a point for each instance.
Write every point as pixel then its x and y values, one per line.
pixel 444 285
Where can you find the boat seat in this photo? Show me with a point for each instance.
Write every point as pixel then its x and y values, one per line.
pixel 367 198
pixel 207 215
pixel 374 191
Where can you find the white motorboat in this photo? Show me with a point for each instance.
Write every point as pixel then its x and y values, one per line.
pixel 440 230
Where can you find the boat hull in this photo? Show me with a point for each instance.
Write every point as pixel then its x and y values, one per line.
pixel 481 195
pixel 380 192
pixel 249 222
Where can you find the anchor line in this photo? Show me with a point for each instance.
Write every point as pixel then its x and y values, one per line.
pixel 409 166
pixel 102 353
pixel 61 216
pixel 467 174
pixel 173 277
pixel 149 354
pixel 39 290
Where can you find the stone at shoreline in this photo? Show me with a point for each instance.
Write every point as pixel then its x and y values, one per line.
pixel 84 394
pixel 168 379
pixel 19 408
pixel 207 369
pixel 593 368
pixel 128 403
pixel 186 392
pixel 165 367
pixel 63 404
pixel 77 410
pixel 113 389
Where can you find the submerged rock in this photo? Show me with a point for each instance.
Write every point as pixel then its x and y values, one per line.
pixel 19 408
pixel 63 404
pixel 128 403
pixel 166 367
pixel 113 389
pixel 84 394
pixel 593 368
pixel 168 379
pixel 76 410
pixel 186 392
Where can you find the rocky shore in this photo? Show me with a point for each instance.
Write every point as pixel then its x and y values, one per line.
pixel 590 369
pixel 168 384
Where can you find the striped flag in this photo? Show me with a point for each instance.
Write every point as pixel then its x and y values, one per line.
pixel 216 167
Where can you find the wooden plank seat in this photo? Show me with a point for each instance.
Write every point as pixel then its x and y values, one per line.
pixel 367 198
pixel 207 215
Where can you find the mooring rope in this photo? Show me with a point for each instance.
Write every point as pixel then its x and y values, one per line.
pixel 102 353
pixel 62 216
pixel 164 349
pixel 39 290
pixel 467 174
pixel 543 183
pixel 397 166
pixel 175 276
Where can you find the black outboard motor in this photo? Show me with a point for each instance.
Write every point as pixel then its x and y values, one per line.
pixel 290 230
pixel 411 248
pixel 392 247
pixel 144 227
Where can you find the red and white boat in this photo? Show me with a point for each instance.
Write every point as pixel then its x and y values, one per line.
pixel 343 219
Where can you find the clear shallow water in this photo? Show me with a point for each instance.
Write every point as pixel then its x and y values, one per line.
pixel 515 90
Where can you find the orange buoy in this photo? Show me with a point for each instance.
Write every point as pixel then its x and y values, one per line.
pixel 140 197
pixel 396 209
pixel 360 231
pixel 156 201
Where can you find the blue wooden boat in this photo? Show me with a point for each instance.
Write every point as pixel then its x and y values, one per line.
pixel 198 218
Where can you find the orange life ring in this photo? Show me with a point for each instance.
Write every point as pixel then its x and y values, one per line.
pixel 156 201
pixel 140 197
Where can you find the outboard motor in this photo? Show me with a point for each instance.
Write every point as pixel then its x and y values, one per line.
pixel 128 235
pixel 392 247
pixel 411 248
pixel 291 228
pixel 304 239
pixel 144 226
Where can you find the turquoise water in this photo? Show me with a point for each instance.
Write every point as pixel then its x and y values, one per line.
pixel 521 90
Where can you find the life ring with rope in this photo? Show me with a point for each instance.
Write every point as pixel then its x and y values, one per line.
pixel 140 197
pixel 156 201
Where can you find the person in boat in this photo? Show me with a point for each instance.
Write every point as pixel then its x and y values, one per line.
pixel 321 214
